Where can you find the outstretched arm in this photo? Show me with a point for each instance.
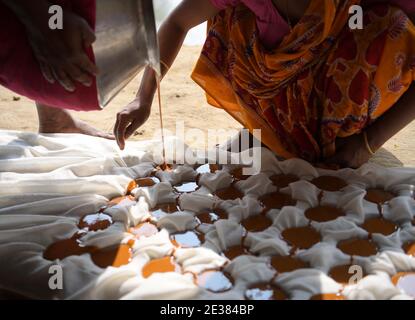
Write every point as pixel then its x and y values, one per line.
pixel 60 53
pixel 171 35
pixel 393 121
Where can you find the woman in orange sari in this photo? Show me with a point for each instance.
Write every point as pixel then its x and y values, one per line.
pixel 319 90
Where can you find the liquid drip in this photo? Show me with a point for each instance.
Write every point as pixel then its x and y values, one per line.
pixel 328 296
pixel 207 168
pixel 265 291
pixel 324 213
pixel 301 237
pixel 409 248
pixel 162 265
pixel 66 248
pixel 116 256
pixel 212 217
pixel 341 273
pixel 276 200
pixel 189 239
pixel 329 183
pixel 380 225
pixel 163 209
pixel 405 281
pixel 164 165
pixel 283 180
pixel 145 229
pixel 287 264
pixel 230 193
pixel 235 251
pixel 378 196
pixel 186 187
pixel 214 281
pixel 95 222
pixel 256 223
pixel 358 247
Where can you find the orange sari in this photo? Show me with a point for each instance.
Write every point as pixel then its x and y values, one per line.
pixel 324 80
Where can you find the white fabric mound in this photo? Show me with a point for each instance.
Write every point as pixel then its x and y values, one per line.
pixel 47 182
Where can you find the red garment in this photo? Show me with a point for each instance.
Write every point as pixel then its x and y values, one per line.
pixel 20 71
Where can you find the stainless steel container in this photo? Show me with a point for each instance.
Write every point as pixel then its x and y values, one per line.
pixel 126 42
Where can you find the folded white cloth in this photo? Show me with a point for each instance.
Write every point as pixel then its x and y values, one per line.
pixel 47 182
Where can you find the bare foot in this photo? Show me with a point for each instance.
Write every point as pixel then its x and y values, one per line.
pixel 54 120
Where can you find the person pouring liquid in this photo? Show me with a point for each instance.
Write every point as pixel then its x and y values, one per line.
pixel 55 67
pixel 317 89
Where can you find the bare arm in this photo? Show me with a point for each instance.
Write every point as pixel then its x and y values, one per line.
pixel 398 117
pixel 171 35
pixel 352 151
pixel 60 53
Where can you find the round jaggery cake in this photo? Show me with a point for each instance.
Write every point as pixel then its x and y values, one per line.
pixel 229 193
pixel 301 237
pixel 329 183
pixel 380 225
pixel 358 247
pixel 343 273
pixel 115 256
pixel 287 263
pixel 283 180
pixel 265 291
pixel 62 249
pixel 256 223
pixel 324 213
pixel 378 196
pixel 161 265
pixel 235 251
pixel 276 200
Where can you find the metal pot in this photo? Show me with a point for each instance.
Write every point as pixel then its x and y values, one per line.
pixel 126 43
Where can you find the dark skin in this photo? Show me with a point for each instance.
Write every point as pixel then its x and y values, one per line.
pixel 62 58
pixel 351 151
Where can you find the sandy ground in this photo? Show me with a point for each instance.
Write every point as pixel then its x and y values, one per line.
pixel 183 101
